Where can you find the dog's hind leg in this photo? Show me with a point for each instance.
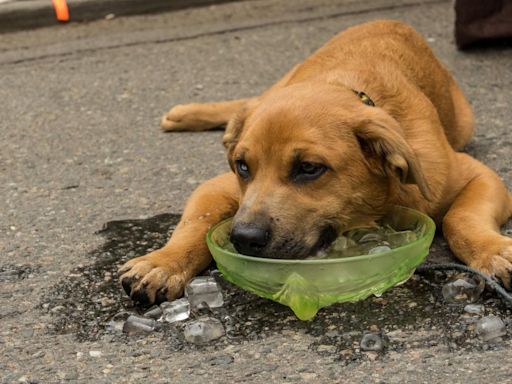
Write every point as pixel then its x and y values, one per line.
pixel 200 117
pixel 463 123
pixel 472 224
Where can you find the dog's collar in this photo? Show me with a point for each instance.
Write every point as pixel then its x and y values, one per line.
pixel 364 98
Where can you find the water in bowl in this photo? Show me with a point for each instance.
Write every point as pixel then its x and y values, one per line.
pixel 367 241
pixel 361 241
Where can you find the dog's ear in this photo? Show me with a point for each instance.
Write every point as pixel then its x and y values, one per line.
pixel 235 125
pixel 232 134
pixel 387 152
pixel 234 129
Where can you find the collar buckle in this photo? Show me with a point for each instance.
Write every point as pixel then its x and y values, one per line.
pixel 364 98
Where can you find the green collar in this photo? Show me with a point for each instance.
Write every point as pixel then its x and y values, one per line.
pixel 364 98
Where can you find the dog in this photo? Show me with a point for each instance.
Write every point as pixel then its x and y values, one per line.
pixel 370 120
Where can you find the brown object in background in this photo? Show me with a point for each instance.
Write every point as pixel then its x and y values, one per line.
pixel 482 20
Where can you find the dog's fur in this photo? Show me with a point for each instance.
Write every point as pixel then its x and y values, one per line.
pixel 401 151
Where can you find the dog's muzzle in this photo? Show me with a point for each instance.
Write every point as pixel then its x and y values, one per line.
pixel 249 239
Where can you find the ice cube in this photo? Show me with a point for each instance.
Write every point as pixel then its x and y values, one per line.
pixel 475 309
pixel 370 237
pixel 371 342
pixel 398 239
pixel 116 323
pixel 490 328
pixel 204 292
pixel 229 323
pixel 176 310
pixel 215 273
pixel 203 330
pixel 341 247
pixel 154 312
pixel 364 241
pixel 363 233
pixel 115 326
pixel 463 289
pixel 379 249
pixel 228 246
pixel 136 325
pixel 339 244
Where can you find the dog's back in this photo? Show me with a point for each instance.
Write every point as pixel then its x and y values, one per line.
pixel 394 66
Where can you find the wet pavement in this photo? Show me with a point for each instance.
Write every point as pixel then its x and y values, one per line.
pixel 81 151
pixel 418 313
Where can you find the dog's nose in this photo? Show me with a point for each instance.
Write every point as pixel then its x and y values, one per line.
pixel 249 239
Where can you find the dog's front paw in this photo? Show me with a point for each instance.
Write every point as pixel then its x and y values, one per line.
pixel 153 278
pixel 496 260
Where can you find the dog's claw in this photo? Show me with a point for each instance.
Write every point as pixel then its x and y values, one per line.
pixel 141 296
pixel 127 284
pixel 161 295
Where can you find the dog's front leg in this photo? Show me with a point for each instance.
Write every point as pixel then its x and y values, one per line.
pixel 161 275
pixel 472 223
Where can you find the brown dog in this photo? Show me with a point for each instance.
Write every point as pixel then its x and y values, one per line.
pixel 370 120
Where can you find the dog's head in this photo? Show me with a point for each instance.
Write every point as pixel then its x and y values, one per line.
pixel 312 163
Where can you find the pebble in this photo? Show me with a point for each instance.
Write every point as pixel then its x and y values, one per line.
pixel 221 360
pixel 38 354
pixel 308 376
pixel 490 328
pixel 57 309
pixel 95 353
pixel 27 332
pixel 326 348
pixel 372 356
pixel 107 301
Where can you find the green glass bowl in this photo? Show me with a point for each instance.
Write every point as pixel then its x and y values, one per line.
pixel 308 285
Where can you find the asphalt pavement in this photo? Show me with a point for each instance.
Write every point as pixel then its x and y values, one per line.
pixel 18 15
pixel 81 147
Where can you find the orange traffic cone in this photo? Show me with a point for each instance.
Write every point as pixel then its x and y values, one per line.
pixel 61 10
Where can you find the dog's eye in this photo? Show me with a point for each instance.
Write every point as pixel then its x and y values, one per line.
pixel 242 169
pixel 307 171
